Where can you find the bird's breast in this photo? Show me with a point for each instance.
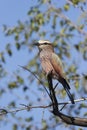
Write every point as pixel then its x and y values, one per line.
pixel 47 66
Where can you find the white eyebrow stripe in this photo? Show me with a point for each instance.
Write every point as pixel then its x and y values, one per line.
pixel 43 41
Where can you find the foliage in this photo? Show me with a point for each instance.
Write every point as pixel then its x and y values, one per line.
pixel 46 20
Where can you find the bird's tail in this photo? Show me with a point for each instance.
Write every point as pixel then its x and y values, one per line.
pixel 67 87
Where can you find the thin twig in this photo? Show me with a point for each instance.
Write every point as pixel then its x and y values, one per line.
pixel 27 107
pixel 36 78
pixel 61 15
pixel 62 107
pixel 77 100
pixel 56 86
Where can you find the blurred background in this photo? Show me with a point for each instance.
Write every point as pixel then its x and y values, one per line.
pixel 62 22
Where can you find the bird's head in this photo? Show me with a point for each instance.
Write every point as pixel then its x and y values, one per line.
pixel 43 44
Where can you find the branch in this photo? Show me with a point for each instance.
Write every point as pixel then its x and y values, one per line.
pixel 61 15
pixel 55 106
pixel 68 119
pixel 35 77
pixel 69 102
pixel 3 111
pixel 77 121
pixel 25 107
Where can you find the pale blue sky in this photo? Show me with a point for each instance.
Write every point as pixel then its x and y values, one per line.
pixel 10 12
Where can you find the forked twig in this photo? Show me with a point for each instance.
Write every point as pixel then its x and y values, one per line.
pixel 77 121
pixel 67 119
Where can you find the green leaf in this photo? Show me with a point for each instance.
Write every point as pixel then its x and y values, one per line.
pixel 9 52
pixel 12 85
pixel 75 2
pixel 16 37
pixel 77 85
pixel 71 28
pixel 2 57
pixel 18 46
pixel 15 127
pixel 26 36
pixel 8 49
pixel 29 119
pixel 20 80
pixel 66 7
pixel 44 124
pixel 12 104
pixel 85 114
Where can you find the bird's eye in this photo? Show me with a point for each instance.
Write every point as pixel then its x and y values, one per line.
pixel 46 43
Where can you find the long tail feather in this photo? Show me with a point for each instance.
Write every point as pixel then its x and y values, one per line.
pixel 67 87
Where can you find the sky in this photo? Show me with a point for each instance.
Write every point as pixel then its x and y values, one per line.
pixel 10 12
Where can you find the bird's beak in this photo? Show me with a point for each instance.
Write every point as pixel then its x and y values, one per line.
pixel 35 44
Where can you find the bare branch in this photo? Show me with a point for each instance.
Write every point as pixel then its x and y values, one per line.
pixel 35 77
pixel 72 120
pixel 77 100
pixel 55 105
pixel 67 119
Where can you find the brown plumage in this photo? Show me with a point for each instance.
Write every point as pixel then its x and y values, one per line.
pixel 51 62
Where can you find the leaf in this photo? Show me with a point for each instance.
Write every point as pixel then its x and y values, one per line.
pixel 2 57
pixel 75 2
pixel 20 80
pixel 8 49
pixel 9 52
pixel 71 28
pixel 2 91
pixel 29 119
pixel 77 85
pixel 15 127
pixel 76 47
pixel 25 88
pixel 4 27
pixel 66 7
pixel 18 46
pixel 16 37
pixel 85 114
pixel 44 124
pixel 12 104
pixel 12 85
pixel 32 63
pixel 26 36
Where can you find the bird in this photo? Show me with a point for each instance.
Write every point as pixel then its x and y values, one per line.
pixel 51 62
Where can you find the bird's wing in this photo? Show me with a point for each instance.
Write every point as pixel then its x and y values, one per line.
pixel 57 64
pixel 58 67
